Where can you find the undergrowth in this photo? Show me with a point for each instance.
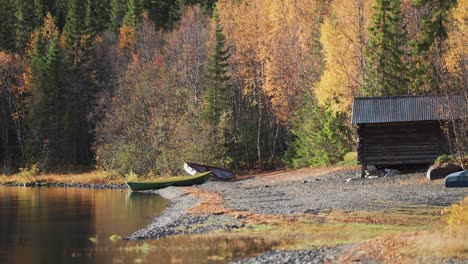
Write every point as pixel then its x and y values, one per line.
pixel 458 214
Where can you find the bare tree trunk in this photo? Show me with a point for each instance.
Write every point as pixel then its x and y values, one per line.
pixel 259 132
pixel 362 43
pixel 274 141
pixel 5 140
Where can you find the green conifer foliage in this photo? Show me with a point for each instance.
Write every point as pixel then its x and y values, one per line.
pixel 75 28
pixel 26 23
pixel 39 12
pixel 218 86
pixel 78 84
pixel 97 16
pixel 426 47
pixel 44 141
pixel 7 25
pixel 132 14
pixel 321 137
pixel 386 72
pixel 162 12
pixel 118 8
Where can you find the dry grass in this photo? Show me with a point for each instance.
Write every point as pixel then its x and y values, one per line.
pixel 327 229
pixel 458 214
pixel 450 242
pixel 418 247
pixel 89 177
pixel 403 216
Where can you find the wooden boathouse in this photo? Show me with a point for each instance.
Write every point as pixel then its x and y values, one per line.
pixel 403 129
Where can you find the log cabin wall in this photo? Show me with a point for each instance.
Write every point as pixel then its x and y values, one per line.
pixel 400 143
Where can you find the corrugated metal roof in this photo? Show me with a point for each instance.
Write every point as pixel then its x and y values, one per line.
pixel 407 108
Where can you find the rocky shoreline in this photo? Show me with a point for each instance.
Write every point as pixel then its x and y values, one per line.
pixel 175 220
pixel 311 256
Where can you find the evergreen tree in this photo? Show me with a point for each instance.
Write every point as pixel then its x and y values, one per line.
pixel 162 12
pixel 321 136
pixel 426 47
pixel 127 34
pixel 7 25
pixel 39 12
pixel 97 16
pixel 218 86
pixel 74 31
pixel 78 82
pixel 26 23
pixel 118 8
pixel 132 13
pixel 385 69
pixel 44 143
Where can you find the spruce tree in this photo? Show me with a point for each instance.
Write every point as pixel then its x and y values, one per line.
pixel 7 25
pixel 321 137
pixel 39 12
pixel 78 83
pixel 97 16
pixel 426 47
pixel 386 72
pixel 118 8
pixel 74 30
pixel 26 23
pixel 53 103
pixel 132 13
pixel 44 141
pixel 162 12
pixel 218 86
pixel 127 33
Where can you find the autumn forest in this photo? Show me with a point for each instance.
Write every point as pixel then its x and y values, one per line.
pixel 139 86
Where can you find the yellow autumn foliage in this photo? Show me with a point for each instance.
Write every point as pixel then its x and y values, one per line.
pixel 271 44
pixel 343 37
pixel 458 213
pixel 455 58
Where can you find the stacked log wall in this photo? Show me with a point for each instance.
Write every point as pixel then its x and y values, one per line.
pixel 400 143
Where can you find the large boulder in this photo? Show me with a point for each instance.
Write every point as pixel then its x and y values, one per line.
pixel 439 171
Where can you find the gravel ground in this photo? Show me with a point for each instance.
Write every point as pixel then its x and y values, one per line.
pixel 175 221
pixel 308 191
pixel 312 256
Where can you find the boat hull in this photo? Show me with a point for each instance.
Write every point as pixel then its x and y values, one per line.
pixel 179 181
pixel 457 179
pixel 193 168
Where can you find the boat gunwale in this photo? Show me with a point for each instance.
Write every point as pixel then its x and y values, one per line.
pixel 210 168
pixel 173 178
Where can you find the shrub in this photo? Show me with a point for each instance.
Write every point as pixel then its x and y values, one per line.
pixel 453 158
pixel 30 173
pixel 458 213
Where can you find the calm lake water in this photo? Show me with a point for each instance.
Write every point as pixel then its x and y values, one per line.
pixel 59 225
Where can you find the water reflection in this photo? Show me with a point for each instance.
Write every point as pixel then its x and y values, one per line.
pixel 52 225
pixel 193 249
pixel 58 225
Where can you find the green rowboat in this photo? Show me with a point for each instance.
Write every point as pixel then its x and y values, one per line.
pixel 176 181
